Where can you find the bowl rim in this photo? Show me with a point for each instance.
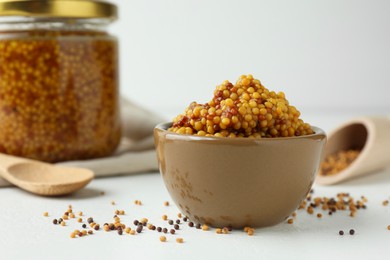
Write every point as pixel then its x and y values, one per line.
pixel 163 128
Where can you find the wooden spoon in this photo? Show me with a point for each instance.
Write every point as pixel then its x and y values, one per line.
pixel 43 178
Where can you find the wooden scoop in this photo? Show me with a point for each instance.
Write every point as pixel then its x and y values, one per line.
pixel 43 178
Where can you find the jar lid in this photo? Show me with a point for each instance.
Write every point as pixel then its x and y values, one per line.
pixel 82 9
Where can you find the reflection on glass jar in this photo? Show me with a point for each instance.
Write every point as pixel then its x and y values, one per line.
pixel 59 85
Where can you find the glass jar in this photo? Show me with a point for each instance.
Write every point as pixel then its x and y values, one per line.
pixel 58 80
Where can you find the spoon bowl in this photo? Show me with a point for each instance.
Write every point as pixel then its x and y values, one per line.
pixel 43 178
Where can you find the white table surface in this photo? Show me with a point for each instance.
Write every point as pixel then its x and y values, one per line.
pixel 26 234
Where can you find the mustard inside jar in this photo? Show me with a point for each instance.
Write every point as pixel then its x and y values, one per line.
pixel 59 94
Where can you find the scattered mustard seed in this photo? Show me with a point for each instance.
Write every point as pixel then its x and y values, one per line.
pixel 164 217
pixel 179 240
pixel 72 235
pixel 166 203
pixel 218 231
pixel 205 227
pixel 290 221
pixel 163 238
pixel 79 220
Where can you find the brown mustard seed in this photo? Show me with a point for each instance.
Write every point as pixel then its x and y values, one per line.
pixel 166 203
pixel 176 226
pixel 225 230
pixel 170 222
pixel 139 229
pixel 84 226
pixel 290 221
pixel 90 232
pixel 55 221
pixel 159 229
pixel 165 230
pixel 135 222
pixel 90 220
pixel 120 231
pixel 341 232
pixel 172 231
pixel 351 232
pixel 198 226
pixel 96 227
pixel 45 214
pixel 185 219
pixel 177 221
pixel 190 224
pixel 385 203
pixel 319 215
pixel 163 239
pixel 179 240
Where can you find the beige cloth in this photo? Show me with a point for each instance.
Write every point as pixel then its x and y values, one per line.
pixel 135 153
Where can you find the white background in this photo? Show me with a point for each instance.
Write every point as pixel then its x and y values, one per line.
pixel 330 55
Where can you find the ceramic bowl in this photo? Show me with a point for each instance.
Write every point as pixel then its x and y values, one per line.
pixel 238 181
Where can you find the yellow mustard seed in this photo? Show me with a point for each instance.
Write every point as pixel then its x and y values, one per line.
pixel 166 203
pixel 79 220
pixel 218 231
pixel 63 223
pixel 179 240
pixel 164 217
pixel 244 109
pixel 290 221
pixel 45 214
pixel 72 235
pixel 205 227
pixel 163 238
pixel 132 232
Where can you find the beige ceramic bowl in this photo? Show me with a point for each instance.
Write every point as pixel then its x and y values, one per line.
pixel 238 181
